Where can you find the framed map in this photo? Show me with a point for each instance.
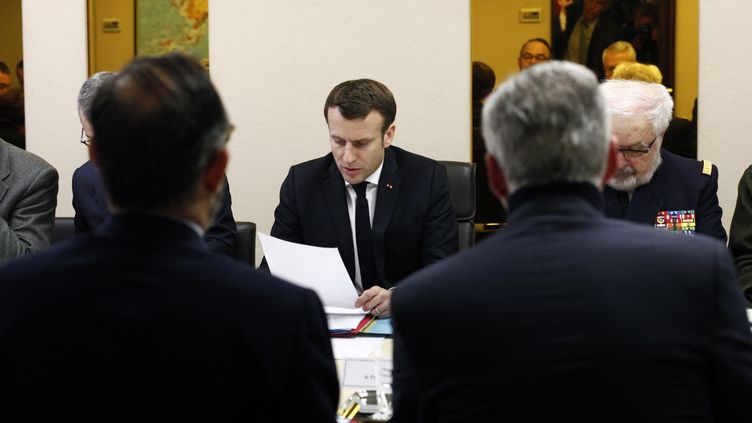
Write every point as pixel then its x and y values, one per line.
pixel 163 26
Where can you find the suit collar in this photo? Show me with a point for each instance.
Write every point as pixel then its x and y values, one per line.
pixel 560 198
pixel 334 187
pixel 150 228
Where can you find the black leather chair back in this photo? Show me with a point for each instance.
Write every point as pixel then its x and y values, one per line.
pixel 462 186
pixel 63 229
pixel 245 242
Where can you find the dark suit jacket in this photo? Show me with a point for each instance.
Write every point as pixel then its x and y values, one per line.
pixel 740 234
pixel 565 315
pixel 413 224
pixel 139 322
pixel 607 31
pixel 90 204
pixel 678 184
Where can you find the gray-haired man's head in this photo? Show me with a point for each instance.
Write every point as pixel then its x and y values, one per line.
pixel 546 125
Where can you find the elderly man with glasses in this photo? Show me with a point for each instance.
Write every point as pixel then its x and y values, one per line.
pixel 534 51
pixel 90 200
pixel 651 185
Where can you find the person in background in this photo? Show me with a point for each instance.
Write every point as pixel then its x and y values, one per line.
pixel 651 185
pixel 12 128
pixel 616 54
pixel 740 235
pixel 566 315
pixel 28 198
pixel 90 200
pixel 534 51
pixel 138 321
pixel 638 72
pixel 388 211
pixel 583 30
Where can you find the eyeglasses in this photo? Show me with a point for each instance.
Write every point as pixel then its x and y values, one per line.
pixel 529 57
pixel 636 151
pixel 85 138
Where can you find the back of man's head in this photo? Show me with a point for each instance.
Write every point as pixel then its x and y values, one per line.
pixel 157 124
pixel 548 124
pixel 627 99
pixel 359 97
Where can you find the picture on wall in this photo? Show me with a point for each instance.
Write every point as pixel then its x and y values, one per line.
pixel 163 26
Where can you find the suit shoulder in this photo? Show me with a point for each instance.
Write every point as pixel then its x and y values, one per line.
pixel 406 158
pixel 689 167
pixel 260 284
pixel 313 166
pixel 27 162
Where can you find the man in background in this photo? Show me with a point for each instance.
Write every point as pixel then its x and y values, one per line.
pixel 139 321
pixel 388 211
pixel 651 185
pixel 28 197
pixel 616 54
pixel 584 29
pixel 534 51
pixel 90 196
pixel 566 315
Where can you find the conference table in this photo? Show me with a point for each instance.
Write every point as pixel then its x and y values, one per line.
pixel 364 362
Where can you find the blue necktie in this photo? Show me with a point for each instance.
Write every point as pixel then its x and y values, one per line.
pixel 368 275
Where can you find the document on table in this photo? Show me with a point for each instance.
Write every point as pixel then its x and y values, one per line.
pixel 318 268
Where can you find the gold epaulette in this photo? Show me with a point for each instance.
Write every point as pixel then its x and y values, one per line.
pixel 707 167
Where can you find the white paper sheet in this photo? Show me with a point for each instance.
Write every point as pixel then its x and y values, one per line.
pixel 355 347
pixel 318 268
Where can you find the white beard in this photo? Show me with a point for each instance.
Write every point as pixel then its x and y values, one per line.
pixel 626 179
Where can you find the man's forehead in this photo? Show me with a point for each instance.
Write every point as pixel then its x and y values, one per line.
pixel 535 45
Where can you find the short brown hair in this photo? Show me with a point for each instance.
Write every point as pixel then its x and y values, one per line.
pixel 357 98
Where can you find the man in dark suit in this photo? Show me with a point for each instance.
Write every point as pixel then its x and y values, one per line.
pixel 407 216
pixel 584 29
pixel 566 315
pixel 90 195
pixel 138 321
pixel 651 185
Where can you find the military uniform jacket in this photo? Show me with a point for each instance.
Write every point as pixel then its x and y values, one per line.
pixel 678 185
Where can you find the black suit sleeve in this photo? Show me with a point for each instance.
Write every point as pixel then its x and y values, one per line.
pixel 80 226
pixel 313 387
pixel 286 224
pixel 439 239
pixel 286 221
pixel 406 400
pixel 708 211
pixel 220 238
pixel 740 236
pixel 732 378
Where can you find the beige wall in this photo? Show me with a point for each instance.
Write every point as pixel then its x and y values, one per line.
pixel 497 33
pixel 686 56
pixel 725 93
pixel 274 63
pixel 111 50
pixel 11 44
pixel 276 99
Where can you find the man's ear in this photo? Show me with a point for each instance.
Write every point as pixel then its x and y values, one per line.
pixel 611 161
pixel 497 182
pixel 214 173
pixel 389 135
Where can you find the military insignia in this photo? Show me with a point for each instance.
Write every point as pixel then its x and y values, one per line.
pixel 682 221
pixel 707 167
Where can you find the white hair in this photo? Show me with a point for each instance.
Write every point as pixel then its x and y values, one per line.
pixel 629 98
pixel 548 124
